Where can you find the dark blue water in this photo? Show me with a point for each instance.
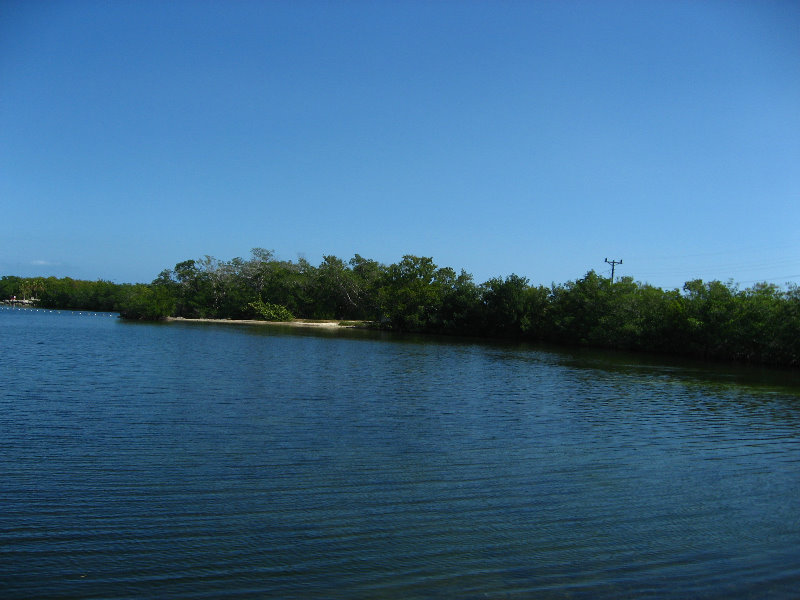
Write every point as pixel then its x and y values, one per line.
pixel 221 461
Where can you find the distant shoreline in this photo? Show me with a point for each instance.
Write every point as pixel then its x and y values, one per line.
pixel 324 323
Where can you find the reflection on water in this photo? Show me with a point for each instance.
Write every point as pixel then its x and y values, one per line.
pixel 190 460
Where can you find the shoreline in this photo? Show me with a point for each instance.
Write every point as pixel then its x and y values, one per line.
pixel 328 324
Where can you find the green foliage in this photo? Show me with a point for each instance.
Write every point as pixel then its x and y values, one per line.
pixel 337 291
pixel 66 293
pixel 10 286
pixel 459 312
pixel 271 312
pixel 513 308
pixel 708 319
pixel 411 294
pixel 147 303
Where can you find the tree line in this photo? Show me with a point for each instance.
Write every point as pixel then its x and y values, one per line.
pixel 65 293
pixel 759 324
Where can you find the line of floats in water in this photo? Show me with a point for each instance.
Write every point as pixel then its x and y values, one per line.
pixel 57 311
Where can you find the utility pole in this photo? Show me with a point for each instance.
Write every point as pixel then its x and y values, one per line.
pixel 613 264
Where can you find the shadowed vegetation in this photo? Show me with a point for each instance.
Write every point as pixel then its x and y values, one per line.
pixel 760 324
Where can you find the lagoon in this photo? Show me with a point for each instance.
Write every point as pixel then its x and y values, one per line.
pixel 190 460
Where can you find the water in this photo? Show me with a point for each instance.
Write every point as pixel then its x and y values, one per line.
pixel 221 461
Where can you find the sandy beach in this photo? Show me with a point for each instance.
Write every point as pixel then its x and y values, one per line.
pixel 332 324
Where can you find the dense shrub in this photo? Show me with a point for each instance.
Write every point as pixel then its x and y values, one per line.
pixel 271 312
pixel 708 319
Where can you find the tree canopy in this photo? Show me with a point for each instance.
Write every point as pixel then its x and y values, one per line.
pixel 707 319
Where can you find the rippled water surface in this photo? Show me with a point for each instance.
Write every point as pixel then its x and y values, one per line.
pixel 221 461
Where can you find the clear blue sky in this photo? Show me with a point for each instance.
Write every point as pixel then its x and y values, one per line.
pixel 535 138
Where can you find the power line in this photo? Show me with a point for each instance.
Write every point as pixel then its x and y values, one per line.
pixel 613 264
